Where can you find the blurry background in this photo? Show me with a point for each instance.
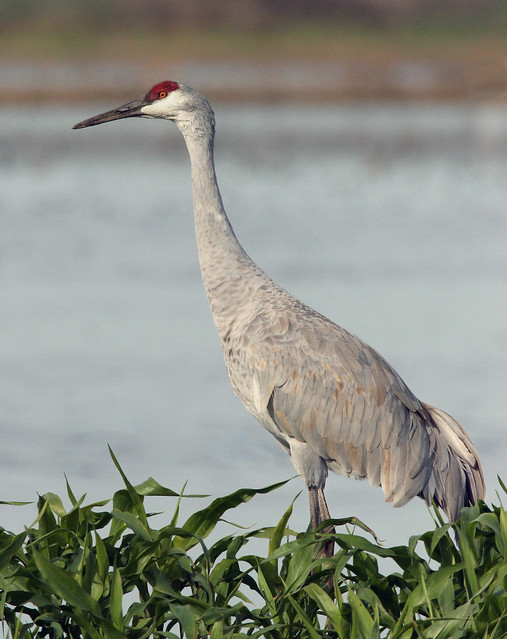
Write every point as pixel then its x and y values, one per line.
pixel 254 49
pixel 362 155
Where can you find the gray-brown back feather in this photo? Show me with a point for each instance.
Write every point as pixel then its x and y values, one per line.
pixel 320 384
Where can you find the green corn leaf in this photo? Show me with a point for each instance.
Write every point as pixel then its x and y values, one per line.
pixel 503 529
pixel 185 615
pixel 351 521
pixel 500 627
pixel 280 530
pixel 7 553
pixel 468 560
pixel 266 590
pixel 70 494
pixel 290 547
pixel 327 605
pixel 151 488
pixel 429 587
pixel 360 543
pixel 362 623
pixel 116 599
pixel 102 558
pixel 133 494
pixel 88 627
pixel 312 631
pixel 65 586
pixel 77 505
pixel 300 566
pixel 204 521
pixel 449 628
pixel 439 533
pixel 437 581
pixel 174 519
pixel 133 523
pixel 107 629
pixel 217 631
pixel 55 503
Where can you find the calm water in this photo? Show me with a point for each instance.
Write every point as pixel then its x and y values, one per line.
pixel 391 220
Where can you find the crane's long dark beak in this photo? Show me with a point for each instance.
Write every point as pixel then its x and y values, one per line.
pixel 129 110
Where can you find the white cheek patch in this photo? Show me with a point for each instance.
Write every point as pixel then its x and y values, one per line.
pixel 152 110
pixel 165 108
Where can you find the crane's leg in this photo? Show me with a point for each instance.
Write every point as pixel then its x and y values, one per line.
pixel 313 470
pixel 319 512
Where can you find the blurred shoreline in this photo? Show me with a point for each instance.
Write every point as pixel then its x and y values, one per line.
pixel 245 80
pixel 305 62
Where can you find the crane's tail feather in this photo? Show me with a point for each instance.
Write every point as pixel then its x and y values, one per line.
pixel 456 478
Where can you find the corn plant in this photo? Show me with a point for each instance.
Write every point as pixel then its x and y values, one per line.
pixel 100 570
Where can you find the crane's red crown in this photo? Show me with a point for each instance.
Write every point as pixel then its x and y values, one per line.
pixel 161 90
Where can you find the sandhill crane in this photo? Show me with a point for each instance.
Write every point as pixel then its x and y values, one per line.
pixel 328 398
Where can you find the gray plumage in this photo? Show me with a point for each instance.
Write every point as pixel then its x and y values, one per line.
pixel 328 398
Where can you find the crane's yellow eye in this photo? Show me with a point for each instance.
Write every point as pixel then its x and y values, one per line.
pixel 162 94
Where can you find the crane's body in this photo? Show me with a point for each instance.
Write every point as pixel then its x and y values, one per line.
pixel 327 397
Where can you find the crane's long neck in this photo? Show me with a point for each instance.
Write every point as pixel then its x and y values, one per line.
pixel 224 264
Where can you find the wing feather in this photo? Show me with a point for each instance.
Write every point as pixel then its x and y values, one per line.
pixel 329 389
pixel 305 378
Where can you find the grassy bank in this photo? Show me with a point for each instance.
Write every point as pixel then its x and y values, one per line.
pixel 101 570
pixel 314 41
pixel 433 60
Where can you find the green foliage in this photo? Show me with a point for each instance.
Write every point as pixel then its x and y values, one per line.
pixel 96 573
